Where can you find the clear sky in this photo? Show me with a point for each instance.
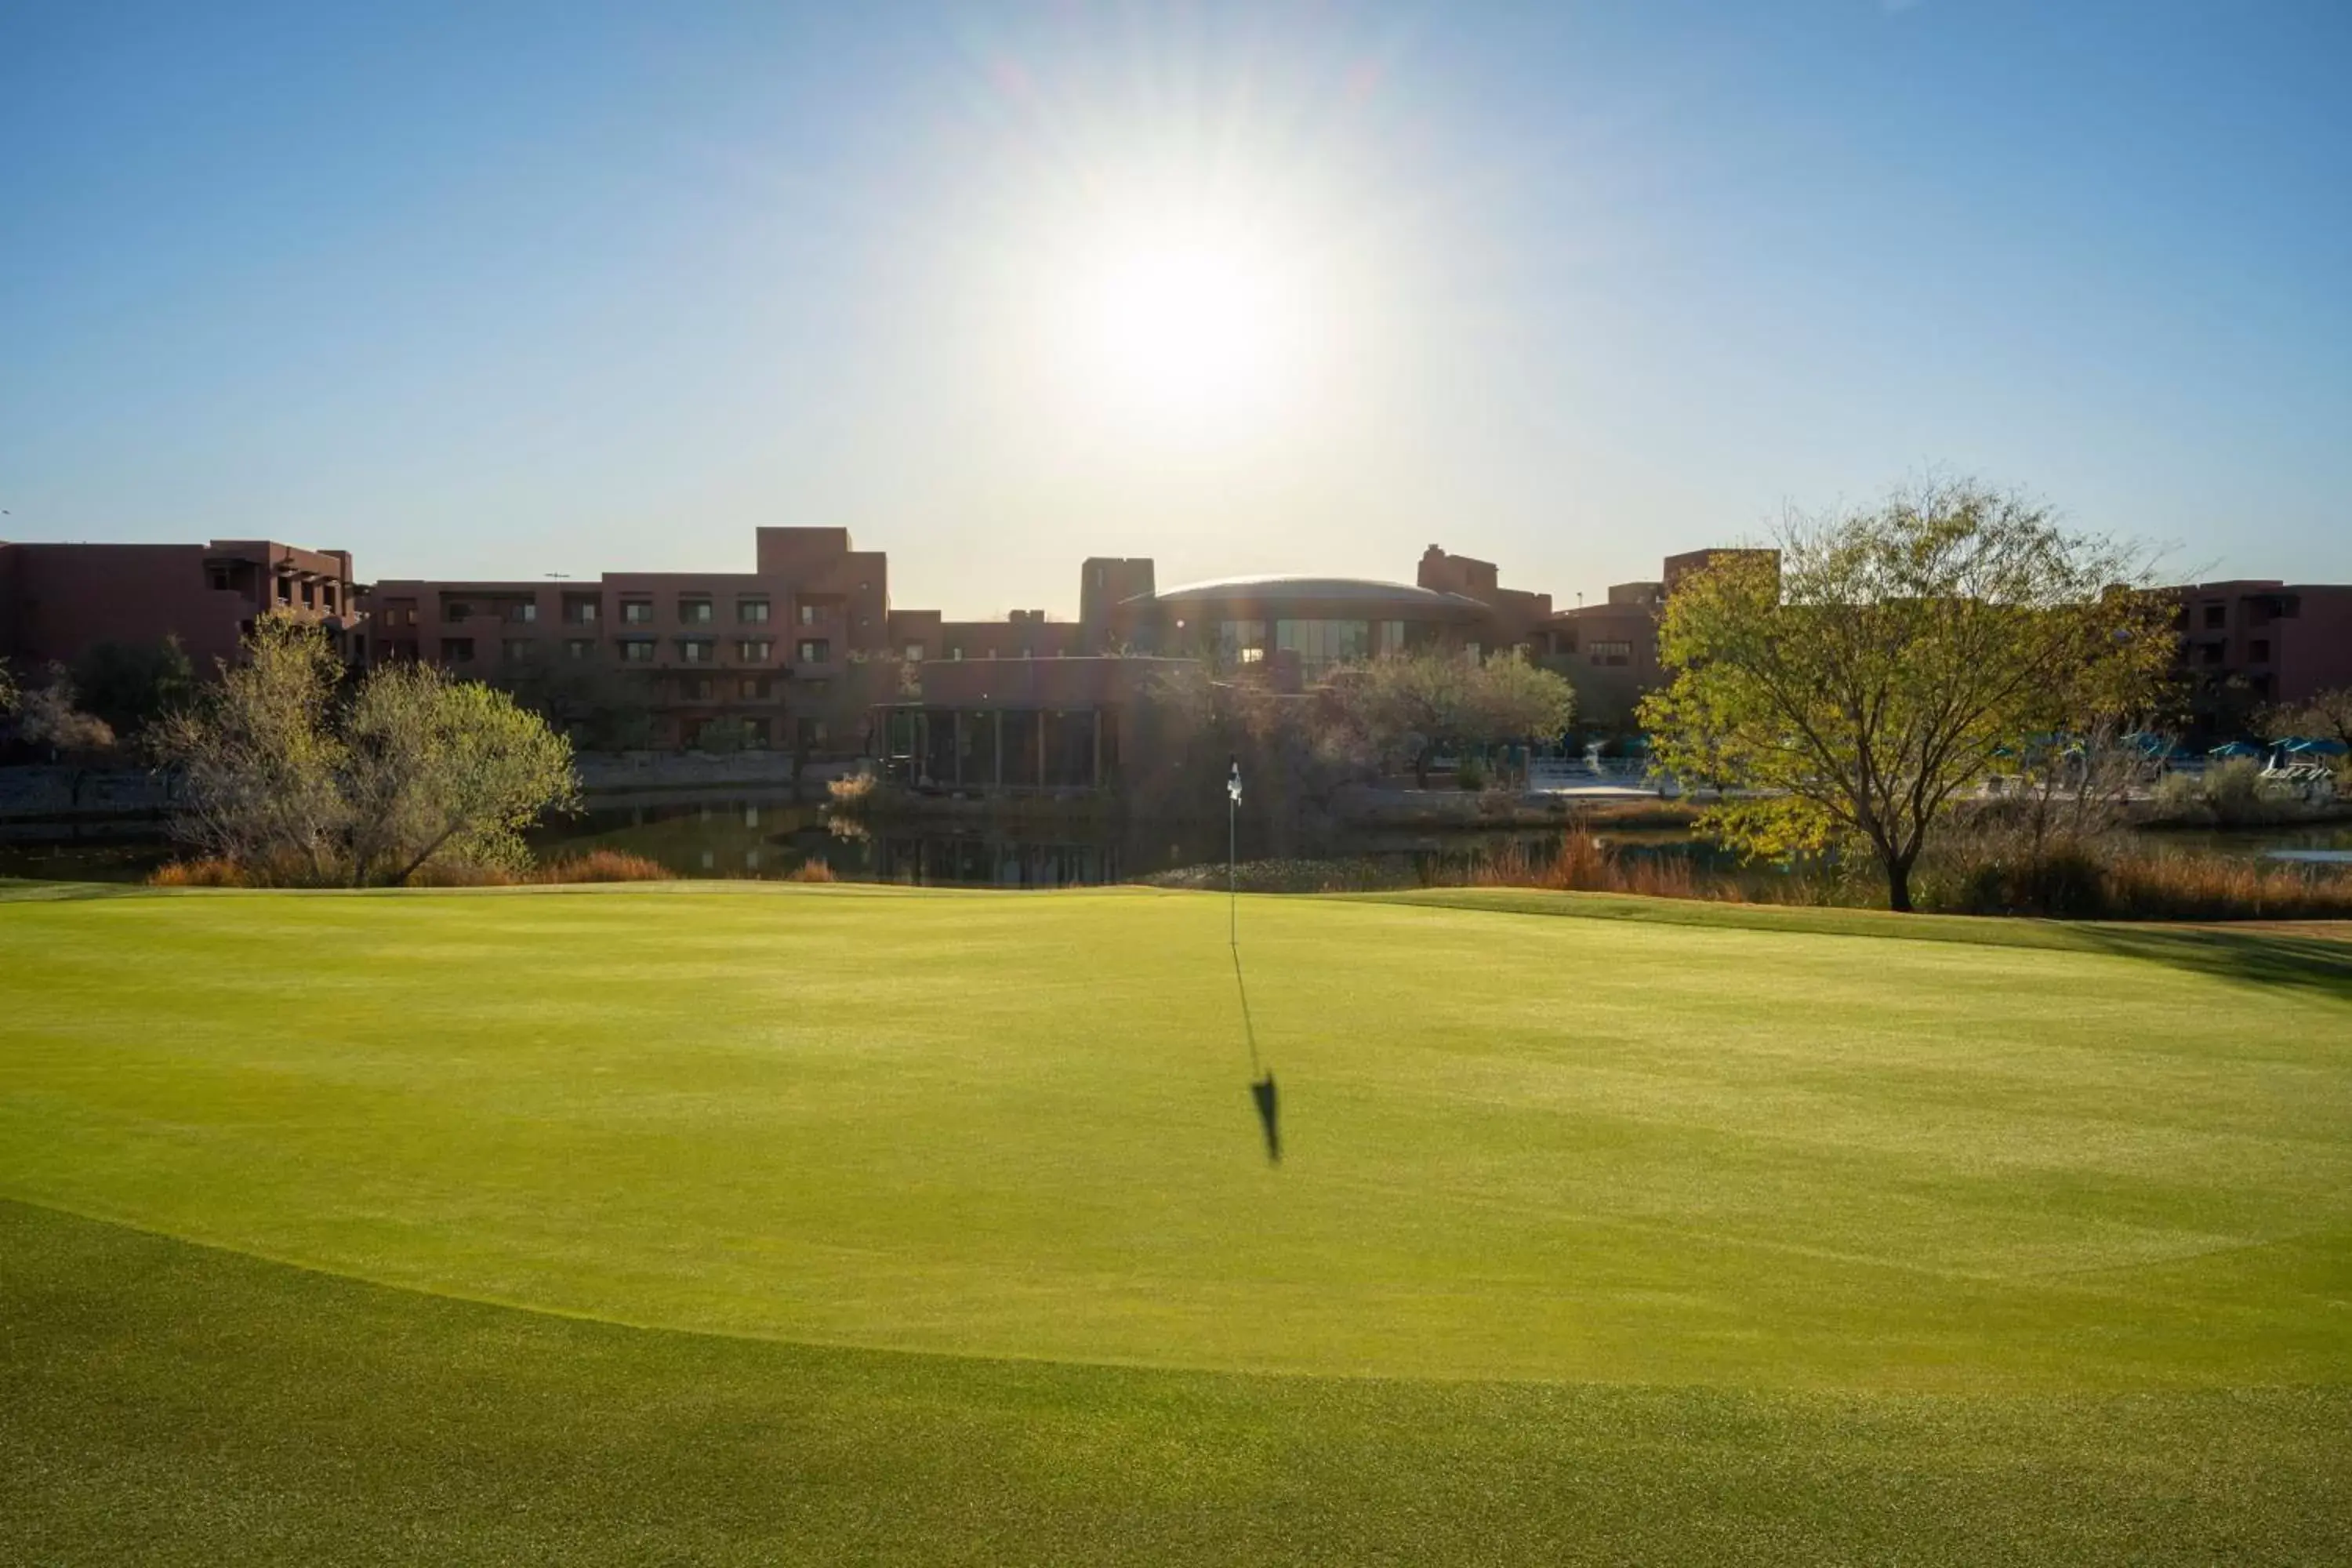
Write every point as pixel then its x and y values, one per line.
pixel 504 289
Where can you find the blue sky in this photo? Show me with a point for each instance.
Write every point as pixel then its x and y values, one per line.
pixel 509 289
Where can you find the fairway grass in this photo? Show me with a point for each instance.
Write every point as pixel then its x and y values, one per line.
pixel 863 1224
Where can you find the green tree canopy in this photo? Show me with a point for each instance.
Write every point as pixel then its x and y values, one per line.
pixel 286 774
pixel 1869 677
pixel 1407 707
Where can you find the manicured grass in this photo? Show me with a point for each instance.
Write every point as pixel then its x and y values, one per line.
pixel 1604 1238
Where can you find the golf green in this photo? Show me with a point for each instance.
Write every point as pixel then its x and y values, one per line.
pixel 1766 1214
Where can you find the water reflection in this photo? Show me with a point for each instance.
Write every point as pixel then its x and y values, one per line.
pixel 771 838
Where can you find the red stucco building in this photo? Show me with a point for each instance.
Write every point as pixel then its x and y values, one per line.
pixel 58 601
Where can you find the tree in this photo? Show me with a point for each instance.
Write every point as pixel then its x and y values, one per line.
pixel 600 708
pixel 131 685
pixel 1869 677
pixel 1513 699
pixel 2324 715
pixel 51 715
pixel 1409 706
pixel 258 758
pixel 7 687
pixel 437 767
pixel 285 777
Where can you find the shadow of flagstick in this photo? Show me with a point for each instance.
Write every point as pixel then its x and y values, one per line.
pixel 1262 1089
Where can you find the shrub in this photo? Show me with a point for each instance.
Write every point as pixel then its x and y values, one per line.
pixel 2231 793
pixel 2168 886
pixel 850 789
pixel 284 870
pixel 605 865
pixel 1582 863
pixel 1470 773
pixel 210 872
pixel 812 870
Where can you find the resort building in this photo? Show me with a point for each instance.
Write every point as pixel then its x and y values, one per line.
pixel 59 601
pixel 772 649
pixel 805 652
pixel 2247 645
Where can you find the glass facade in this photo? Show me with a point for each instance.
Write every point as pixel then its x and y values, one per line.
pixel 1240 642
pixel 1322 644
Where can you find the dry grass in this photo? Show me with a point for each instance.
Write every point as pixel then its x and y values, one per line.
pixel 2175 886
pixel 851 789
pixel 596 865
pixel 604 866
pixel 811 871
pixel 210 872
pixel 1583 864
pixel 2087 882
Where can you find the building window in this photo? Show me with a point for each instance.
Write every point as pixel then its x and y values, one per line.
pixel 456 610
pixel 694 612
pixel 327 595
pixel 698 650
pixel 808 614
pixel 457 650
pixel 1321 643
pixel 914 653
pixel 286 591
pixel 637 612
pixel 579 611
pixel 956 652
pixel 580 648
pixel 816 688
pixel 754 688
pixel 1611 652
pixel 815 650
pixel 522 612
pixel 220 579
pixel 2214 653
pixel 755 650
pixel 310 596
pixel 752 612
pixel 637 650
pixel 695 689
pixel 2259 650
pixel 1241 642
pixel 2216 616
pixel 812 732
pixel 1387 639
pixel 515 649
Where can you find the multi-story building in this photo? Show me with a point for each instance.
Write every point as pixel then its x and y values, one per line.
pixel 58 601
pixel 1609 651
pixel 803 651
pixel 1518 617
pixel 2248 645
pixel 771 648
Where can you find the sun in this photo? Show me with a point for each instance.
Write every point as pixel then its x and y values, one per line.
pixel 1189 324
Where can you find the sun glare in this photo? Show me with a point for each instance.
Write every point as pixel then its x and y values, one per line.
pixel 1189 326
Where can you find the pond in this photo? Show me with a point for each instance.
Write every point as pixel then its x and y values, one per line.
pixel 766 835
pixel 770 837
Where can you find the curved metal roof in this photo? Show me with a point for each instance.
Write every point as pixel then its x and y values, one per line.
pixel 1352 590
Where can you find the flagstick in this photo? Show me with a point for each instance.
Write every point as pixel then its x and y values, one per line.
pixel 1232 908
